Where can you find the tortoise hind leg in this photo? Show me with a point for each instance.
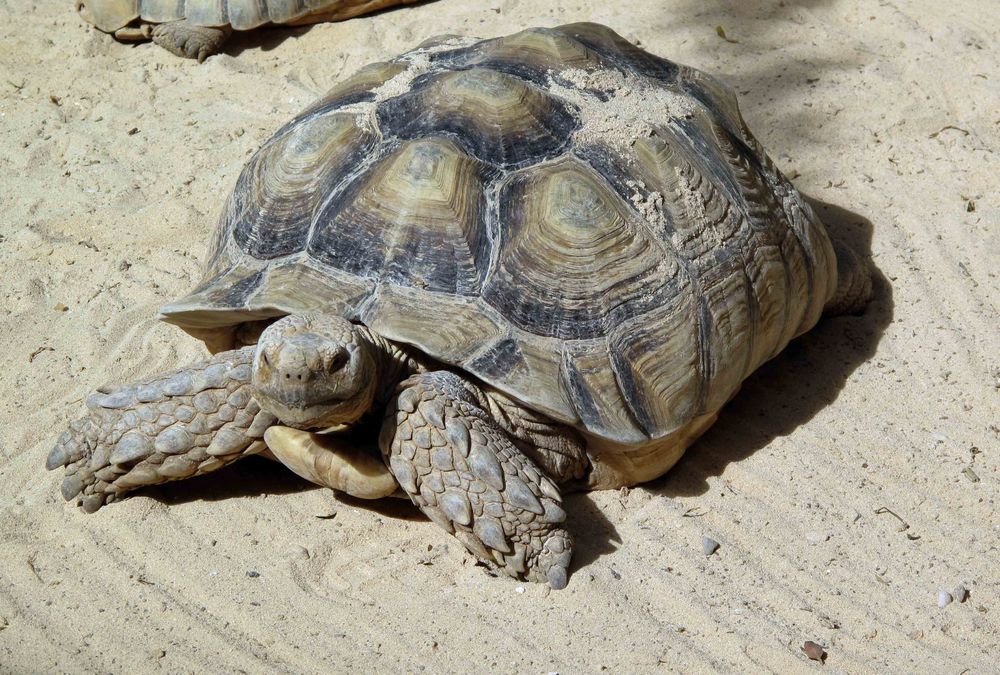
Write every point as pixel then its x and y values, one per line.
pixel 189 41
pixel 465 473
pixel 854 283
pixel 174 426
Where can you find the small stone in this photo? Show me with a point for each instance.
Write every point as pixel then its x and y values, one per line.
pixel 709 545
pixel 944 599
pixel 519 589
pixel 970 474
pixel 961 594
pixel 814 651
pixel 817 537
pixel 253 574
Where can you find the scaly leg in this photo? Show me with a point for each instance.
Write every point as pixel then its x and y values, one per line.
pixel 174 426
pixel 465 474
pixel 190 41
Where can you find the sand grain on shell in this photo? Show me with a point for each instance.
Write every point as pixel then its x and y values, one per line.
pixel 633 108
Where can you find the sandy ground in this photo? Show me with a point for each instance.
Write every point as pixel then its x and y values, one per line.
pixel 114 162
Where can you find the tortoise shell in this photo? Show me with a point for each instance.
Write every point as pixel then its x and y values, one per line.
pixel 587 227
pixel 110 15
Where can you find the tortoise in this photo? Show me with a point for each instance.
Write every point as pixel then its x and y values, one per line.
pixel 480 275
pixel 196 29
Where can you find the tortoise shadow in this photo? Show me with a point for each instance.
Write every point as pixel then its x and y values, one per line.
pixel 593 534
pixel 265 39
pixel 792 388
pixel 257 476
pixel 250 477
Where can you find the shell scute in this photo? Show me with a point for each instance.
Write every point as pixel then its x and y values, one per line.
pixel 414 219
pixel 298 167
pixel 572 258
pixel 495 117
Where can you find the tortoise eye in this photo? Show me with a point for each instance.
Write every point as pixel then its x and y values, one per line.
pixel 338 361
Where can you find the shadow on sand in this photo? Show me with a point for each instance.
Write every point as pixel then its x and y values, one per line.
pixel 257 476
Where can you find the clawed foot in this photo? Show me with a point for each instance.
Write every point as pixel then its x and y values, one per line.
pixel 467 476
pixel 189 41
pixel 178 425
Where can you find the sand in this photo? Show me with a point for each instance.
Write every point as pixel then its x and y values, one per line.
pixel 853 478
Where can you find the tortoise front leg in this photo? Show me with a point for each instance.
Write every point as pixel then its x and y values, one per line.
pixel 174 426
pixel 464 472
pixel 189 41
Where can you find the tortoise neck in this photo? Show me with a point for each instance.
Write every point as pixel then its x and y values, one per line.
pixel 393 363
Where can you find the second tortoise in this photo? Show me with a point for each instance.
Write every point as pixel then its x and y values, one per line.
pixel 196 29
pixel 524 265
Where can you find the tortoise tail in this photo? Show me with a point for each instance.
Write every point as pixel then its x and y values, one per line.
pixel 854 283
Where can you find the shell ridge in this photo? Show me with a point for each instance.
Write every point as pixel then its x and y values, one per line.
pixel 751 176
pixel 737 182
pixel 629 393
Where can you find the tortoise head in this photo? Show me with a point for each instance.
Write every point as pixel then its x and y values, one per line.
pixel 314 371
